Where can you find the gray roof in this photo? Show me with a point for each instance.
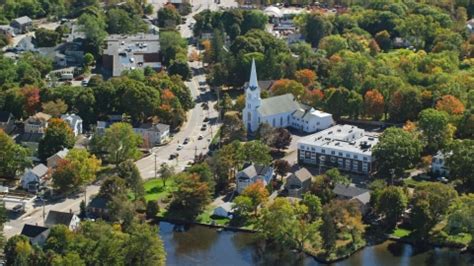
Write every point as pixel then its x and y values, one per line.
pixel 263 84
pixel 349 191
pixel 55 217
pixel 23 20
pixel 159 127
pixel 254 170
pixel 302 174
pixel 33 231
pixel 285 103
pixel 40 170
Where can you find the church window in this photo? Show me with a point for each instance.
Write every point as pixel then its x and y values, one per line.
pixel 281 121
pixel 249 116
pixel 273 122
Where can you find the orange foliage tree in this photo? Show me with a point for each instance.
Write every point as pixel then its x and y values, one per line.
pixel 374 104
pixel 32 99
pixel 257 193
pixel 305 77
pixel 313 98
pixel 284 86
pixel 450 104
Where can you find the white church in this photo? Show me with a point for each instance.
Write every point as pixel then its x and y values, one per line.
pixel 280 111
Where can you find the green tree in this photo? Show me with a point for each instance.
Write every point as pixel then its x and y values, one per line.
pixel 152 209
pixel 436 130
pixel 55 108
pixel 89 59
pixel 313 203
pixel 46 38
pixel 328 232
pixel 316 26
pixel 94 29
pixel 130 173
pixel 191 196
pixel 13 157
pixel 336 177
pixel 333 44
pixel 460 162
pixel 256 152
pixel 232 128
pixel 166 171
pixel 397 150
pixel 120 21
pixel 282 167
pixel 144 246
pixel 391 203
pixel 112 186
pixel 180 67
pixel 17 250
pixel 168 17
pixel 57 136
pixel 253 19
pixel 243 207
pixel 121 143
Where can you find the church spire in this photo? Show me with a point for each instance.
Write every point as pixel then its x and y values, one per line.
pixel 253 82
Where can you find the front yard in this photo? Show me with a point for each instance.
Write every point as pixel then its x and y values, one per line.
pixel 155 190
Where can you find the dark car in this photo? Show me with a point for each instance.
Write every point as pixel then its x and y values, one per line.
pixel 206 119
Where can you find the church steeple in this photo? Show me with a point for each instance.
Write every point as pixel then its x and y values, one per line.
pixel 253 82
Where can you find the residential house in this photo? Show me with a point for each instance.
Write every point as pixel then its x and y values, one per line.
pixel 224 210
pixel 68 219
pixel 30 141
pixel 438 165
pixel 98 207
pixel 32 178
pixel 253 173
pixel 7 121
pixel 153 134
pixel 37 123
pixel 129 52
pixel 22 24
pixel 298 183
pixel 346 147
pixel 352 193
pixel 36 234
pixel 280 111
pixel 74 121
pixel 7 30
pixel 54 159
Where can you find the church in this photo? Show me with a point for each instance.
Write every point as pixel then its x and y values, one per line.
pixel 280 111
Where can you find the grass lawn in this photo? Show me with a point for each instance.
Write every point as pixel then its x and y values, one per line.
pixel 206 218
pixel 410 182
pixel 154 189
pixel 461 238
pixel 400 232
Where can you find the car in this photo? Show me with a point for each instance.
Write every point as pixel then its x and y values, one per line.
pixel 39 199
pixel 186 141
pixel 204 127
pixel 18 208
pixel 442 179
pixel 180 147
pixel 84 83
pixel 206 119
pixel 174 156
pixel 200 137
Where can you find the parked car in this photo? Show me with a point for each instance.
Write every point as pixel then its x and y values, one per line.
pixel 186 141
pixel 174 156
pixel 18 208
pixel 204 127
pixel 200 137
pixel 180 147
pixel 442 179
pixel 206 119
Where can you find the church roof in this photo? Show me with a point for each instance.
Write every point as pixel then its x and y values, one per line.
pixel 253 82
pixel 285 103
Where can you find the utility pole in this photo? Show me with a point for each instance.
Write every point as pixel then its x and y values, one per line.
pixel 155 164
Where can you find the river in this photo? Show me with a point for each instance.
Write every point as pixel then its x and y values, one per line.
pixel 200 245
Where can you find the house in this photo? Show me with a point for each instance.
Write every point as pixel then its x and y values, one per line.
pixel 298 183
pixel 153 134
pixel 74 121
pixel 22 24
pixel 129 52
pixel 36 234
pixel 98 207
pixel 224 210
pixel 30 140
pixel 346 147
pixel 352 193
pixel 7 121
pixel 7 30
pixel 68 219
pixel 37 123
pixel 253 173
pixel 280 111
pixel 54 159
pixel 438 165
pixel 32 178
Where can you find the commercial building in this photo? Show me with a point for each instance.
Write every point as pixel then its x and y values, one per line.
pixel 129 52
pixel 346 147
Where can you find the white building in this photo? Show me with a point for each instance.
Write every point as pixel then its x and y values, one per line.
pixel 346 147
pixel 37 123
pixel 74 121
pixel 33 177
pixel 253 173
pixel 438 165
pixel 68 219
pixel 280 111
pixel 153 134
pixel 224 210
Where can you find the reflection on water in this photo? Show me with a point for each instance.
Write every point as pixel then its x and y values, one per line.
pixel 199 245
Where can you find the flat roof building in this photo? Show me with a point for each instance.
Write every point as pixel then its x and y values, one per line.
pixel 346 147
pixel 129 52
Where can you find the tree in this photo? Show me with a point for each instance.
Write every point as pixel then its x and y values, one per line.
pixel 397 150
pixel 121 143
pixel 17 250
pixel 166 171
pixel 120 21
pixel 232 128
pixel 32 99
pixel 89 59
pixel 282 167
pixel 130 173
pixel 121 210
pixel 168 17
pixel 450 105
pixel 152 209
pixel 265 134
pixel 257 193
pixel 253 19
pixel 466 125
pixel 13 157
pixel 307 77
pixel 284 86
pixel 180 67
pixel 281 138
pixel 336 177
pixel 461 217
pixel 313 203
pixel 374 104
pixel 437 131
pixel 144 246
pixel 112 186
pixel 316 26
pixel 328 232
pixel 405 104
pixel 94 29
pixel 46 38
pixel 57 136
pixel 77 169
pixel 256 152
pixel 333 44
pixel 347 217
pixel 391 204
pixel 55 108
pixel 383 40
pixel 191 196
pixel 460 162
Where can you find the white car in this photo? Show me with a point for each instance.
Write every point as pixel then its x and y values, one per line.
pixel 180 147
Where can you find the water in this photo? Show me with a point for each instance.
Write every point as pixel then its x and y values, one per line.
pixel 200 245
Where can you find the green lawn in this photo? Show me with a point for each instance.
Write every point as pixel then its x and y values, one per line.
pixel 410 182
pixel 154 189
pixel 400 232
pixel 206 218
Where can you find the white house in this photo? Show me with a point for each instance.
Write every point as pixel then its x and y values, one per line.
pixel 33 177
pixel 65 218
pixel 253 173
pixel 37 123
pixel 438 165
pixel 53 160
pixel 153 134
pixel 224 210
pixel 280 111
pixel 346 147
pixel 74 121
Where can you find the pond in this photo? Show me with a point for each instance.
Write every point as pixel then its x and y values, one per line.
pixel 199 245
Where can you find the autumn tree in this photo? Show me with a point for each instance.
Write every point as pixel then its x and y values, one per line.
pixel 405 104
pixel 13 157
pixel 284 86
pixel 313 98
pixel 57 136
pixel 374 104
pixel 306 77
pixel 32 99
pixel 257 193
pixel 347 218
pixel 191 195
pixel 55 108
pixel 450 105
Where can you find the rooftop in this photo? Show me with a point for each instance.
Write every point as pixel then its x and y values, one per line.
pixel 55 217
pixel 33 231
pixel 254 170
pixel 40 170
pixel 285 103
pixel 349 191
pixel 23 20
pixel 302 174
